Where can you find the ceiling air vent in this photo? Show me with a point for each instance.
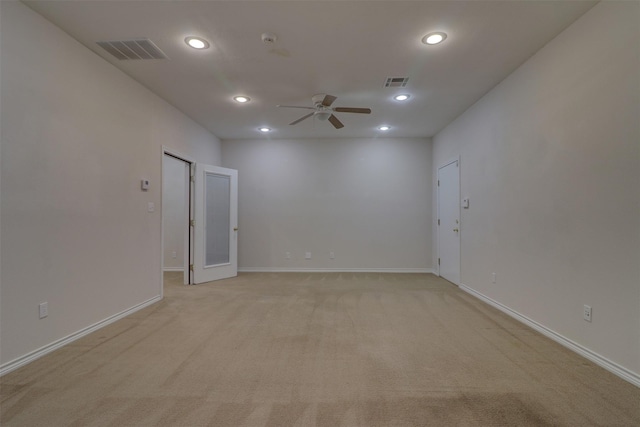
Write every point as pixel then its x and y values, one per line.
pixel 133 49
pixel 396 81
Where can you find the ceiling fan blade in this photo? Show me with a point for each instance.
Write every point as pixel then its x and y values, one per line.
pixel 335 122
pixel 352 110
pixel 295 106
pixel 301 119
pixel 328 100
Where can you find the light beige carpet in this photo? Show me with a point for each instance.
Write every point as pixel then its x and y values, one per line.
pixel 316 350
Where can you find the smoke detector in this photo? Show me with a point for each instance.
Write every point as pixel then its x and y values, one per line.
pixel 269 38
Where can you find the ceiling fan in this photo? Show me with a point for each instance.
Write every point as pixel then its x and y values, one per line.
pixel 323 111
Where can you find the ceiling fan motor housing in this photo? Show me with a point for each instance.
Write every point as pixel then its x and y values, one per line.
pixel 317 99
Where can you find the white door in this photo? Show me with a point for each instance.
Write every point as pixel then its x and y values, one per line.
pixel 216 224
pixel 449 221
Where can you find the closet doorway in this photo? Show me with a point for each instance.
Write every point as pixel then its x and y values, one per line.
pixel 176 215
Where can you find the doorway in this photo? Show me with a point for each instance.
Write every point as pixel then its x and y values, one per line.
pixel 176 215
pixel 199 219
pixel 449 221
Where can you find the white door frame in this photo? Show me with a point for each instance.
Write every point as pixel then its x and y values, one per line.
pixel 188 248
pixel 438 234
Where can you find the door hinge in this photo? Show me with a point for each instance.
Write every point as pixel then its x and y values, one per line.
pixel 438 222
pixel 191 267
pixel 192 178
pixel 438 183
pixel 192 223
pixel 438 261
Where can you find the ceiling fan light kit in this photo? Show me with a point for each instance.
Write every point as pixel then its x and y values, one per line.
pixel 324 112
pixel 323 116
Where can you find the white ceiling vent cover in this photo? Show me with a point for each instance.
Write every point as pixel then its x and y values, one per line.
pixel 133 49
pixel 396 81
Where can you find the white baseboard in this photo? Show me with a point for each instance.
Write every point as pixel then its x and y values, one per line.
pixel 599 360
pixel 36 354
pixel 181 269
pixel 332 270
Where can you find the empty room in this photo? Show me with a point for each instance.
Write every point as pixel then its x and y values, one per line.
pixel 319 213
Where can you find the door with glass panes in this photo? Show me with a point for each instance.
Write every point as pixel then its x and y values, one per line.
pixel 216 223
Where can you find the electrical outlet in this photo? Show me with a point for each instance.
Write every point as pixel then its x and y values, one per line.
pixel 332 255
pixel 307 255
pixel 287 255
pixel 493 277
pixel 43 310
pixel 174 254
pixel 587 313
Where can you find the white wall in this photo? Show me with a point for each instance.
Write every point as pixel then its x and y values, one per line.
pixel 175 210
pixel 551 162
pixel 366 200
pixel 77 137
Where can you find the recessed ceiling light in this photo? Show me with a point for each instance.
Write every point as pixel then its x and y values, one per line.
pixel 384 128
pixel 197 42
pixel 241 99
pixel 402 97
pixel 434 38
pixel 265 130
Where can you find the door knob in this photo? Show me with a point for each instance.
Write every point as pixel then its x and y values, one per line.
pixel 235 228
pixel 456 230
